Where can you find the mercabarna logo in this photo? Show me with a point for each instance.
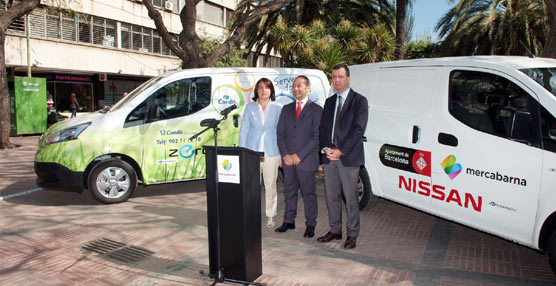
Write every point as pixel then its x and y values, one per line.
pixel 226 165
pixel 450 166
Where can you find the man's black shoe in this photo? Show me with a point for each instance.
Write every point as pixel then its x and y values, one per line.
pixel 309 231
pixel 329 237
pixel 285 226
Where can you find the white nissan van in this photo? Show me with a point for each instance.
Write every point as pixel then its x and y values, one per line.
pixel 146 137
pixel 470 139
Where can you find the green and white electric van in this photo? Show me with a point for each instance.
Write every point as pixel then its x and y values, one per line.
pixel 145 137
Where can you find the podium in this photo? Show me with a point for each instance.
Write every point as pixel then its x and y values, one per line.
pixel 234 217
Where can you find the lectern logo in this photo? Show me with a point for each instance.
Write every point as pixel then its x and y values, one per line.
pixel 226 165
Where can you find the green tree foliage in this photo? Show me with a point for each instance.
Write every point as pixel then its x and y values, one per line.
pixel 331 13
pixel 493 27
pixel 235 58
pixel 321 47
pixel 421 49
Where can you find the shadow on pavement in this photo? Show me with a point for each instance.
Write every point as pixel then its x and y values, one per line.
pixel 26 192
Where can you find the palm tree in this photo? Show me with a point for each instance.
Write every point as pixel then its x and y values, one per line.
pixel 493 27
pixel 304 12
pixel 316 46
pixel 375 44
pixel 549 49
pixel 401 8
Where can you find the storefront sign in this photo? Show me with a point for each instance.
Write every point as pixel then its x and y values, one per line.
pixel 65 77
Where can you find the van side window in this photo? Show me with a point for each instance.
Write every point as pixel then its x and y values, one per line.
pixel 176 99
pixel 137 116
pixel 548 130
pixel 495 105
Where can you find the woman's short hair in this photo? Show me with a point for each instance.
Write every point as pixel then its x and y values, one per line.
pixel 267 83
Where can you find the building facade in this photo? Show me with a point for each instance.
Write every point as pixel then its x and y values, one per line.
pixel 100 49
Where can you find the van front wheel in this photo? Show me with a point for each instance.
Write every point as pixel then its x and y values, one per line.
pixel 112 181
pixel 364 192
pixel 552 252
pixel 364 189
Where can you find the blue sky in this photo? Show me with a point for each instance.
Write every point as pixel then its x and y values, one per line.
pixel 426 14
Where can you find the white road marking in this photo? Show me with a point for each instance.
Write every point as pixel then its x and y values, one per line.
pixel 21 193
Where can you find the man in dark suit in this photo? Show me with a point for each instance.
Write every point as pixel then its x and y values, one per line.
pixel 298 129
pixel 342 126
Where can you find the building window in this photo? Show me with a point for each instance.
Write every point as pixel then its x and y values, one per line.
pixel 213 14
pixel 68 27
pixel 110 36
pixel 158 3
pixel 84 26
pixel 125 35
pixel 229 16
pixel 36 23
pixel 17 26
pixel 156 43
pixel 136 38
pixel 147 40
pixel 52 24
pixel 164 49
pixel 104 32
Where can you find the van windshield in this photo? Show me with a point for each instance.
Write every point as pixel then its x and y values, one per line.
pixel 135 92
pixel 546 77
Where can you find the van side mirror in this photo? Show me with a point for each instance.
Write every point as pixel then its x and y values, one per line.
pixel 236 120
pixel 520 127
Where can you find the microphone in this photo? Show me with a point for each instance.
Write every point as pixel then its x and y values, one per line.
pixel 228 109
pixel 209 122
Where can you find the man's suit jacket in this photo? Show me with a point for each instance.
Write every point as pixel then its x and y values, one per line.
pixel 350 130
pixel 252 128
pixel 300 136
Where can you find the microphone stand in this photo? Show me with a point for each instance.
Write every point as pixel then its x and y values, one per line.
pixel 219 276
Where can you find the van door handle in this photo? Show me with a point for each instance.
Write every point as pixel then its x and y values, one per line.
pixel 416 132
pixel 447 139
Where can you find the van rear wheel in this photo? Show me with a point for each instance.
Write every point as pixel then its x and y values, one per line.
pixel 112 181
pixel 552 252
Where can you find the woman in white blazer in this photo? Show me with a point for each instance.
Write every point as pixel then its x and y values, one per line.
pixel 258 133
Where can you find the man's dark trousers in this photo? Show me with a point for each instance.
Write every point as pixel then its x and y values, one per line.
pixel 305 180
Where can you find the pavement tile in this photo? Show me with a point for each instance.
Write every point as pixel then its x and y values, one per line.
pixel 42 234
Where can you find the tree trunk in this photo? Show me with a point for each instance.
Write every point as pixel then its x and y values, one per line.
pixel 190 49
pixel 549 50
pixel 6 18
pixel 4 99
pixel 400 28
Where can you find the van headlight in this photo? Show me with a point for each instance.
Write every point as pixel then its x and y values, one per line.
pixel 70 133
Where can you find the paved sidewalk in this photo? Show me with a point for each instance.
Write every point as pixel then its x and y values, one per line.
pixel 43 231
